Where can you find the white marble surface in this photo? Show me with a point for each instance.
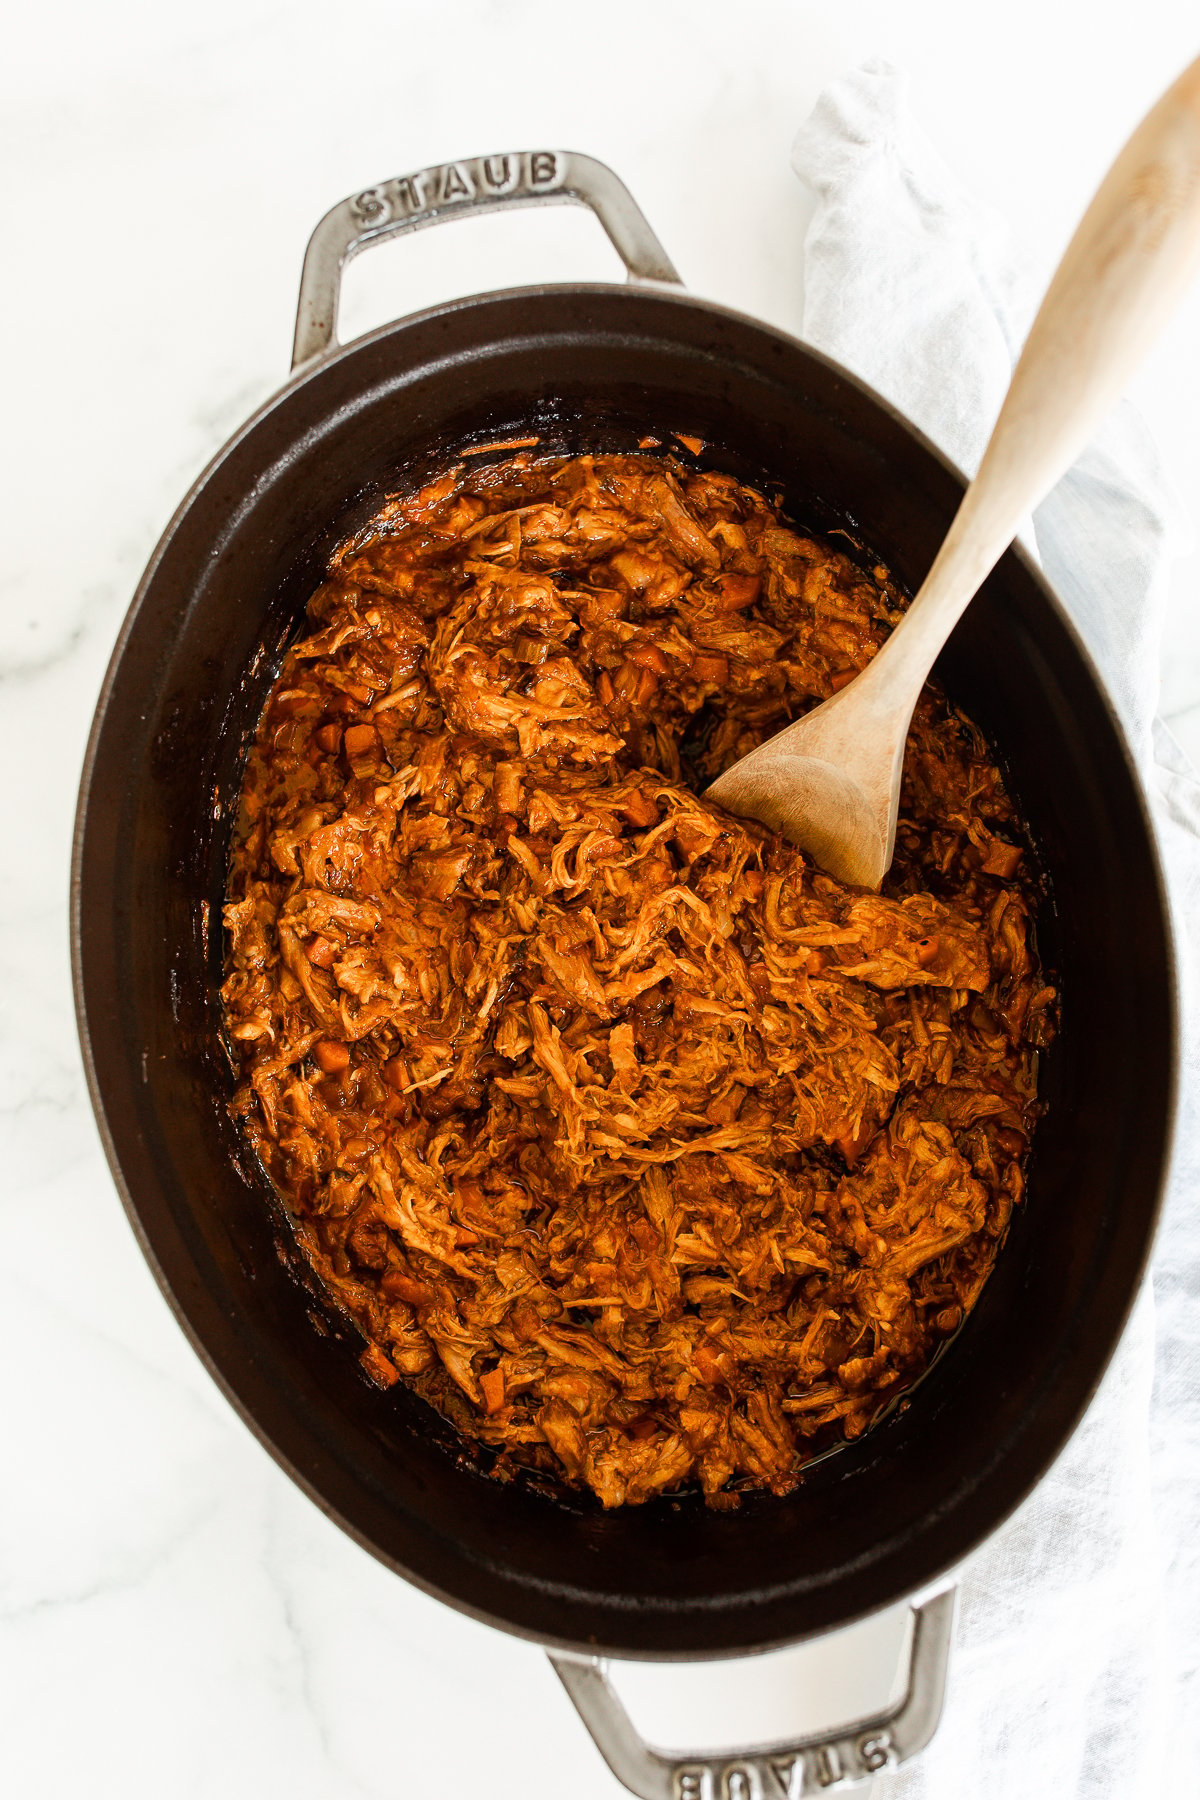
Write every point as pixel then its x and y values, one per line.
pixel 174 1617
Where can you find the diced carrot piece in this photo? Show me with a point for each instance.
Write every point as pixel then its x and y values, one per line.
pixel 648 656
pixel 321 952
pixel 399 1286
pixel 491 1386
pixel 640 809
pixel 841 678
pixel 332 1057
pixel 649 443
pixel 927 949
pixel 736 591
pixel 379 1367
pixel 694 444
pixel 526 1322
pixel 817 960
pixel 1002 859
pixel 710 665
pixel 329 738
pixel 359 739
pixel 396 1074
pixel 604 687
pixel 692 840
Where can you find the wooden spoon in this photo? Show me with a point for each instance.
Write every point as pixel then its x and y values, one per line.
pixel 831 781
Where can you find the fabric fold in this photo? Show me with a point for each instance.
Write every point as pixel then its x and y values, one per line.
pixel 1079 1641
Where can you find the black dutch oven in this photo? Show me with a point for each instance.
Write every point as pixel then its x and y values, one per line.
pixel 888 1518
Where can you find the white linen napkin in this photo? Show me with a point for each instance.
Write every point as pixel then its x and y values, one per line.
pixel 1075 1671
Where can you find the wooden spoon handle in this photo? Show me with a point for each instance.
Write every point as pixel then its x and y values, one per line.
pixel 1123 271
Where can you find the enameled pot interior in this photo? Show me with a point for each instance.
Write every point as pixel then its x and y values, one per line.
pixel 597 368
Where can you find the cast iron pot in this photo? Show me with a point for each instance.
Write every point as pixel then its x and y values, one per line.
pixel 889 1518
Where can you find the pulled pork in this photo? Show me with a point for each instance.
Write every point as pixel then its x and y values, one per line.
pixel 648 1153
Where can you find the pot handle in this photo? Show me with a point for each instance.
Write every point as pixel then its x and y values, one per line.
pixel 481 184
pixel 782 1771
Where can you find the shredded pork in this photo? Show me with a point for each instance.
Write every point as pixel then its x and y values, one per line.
pixel 648 1153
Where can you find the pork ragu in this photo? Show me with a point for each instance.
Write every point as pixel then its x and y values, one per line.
pixel 650 1155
